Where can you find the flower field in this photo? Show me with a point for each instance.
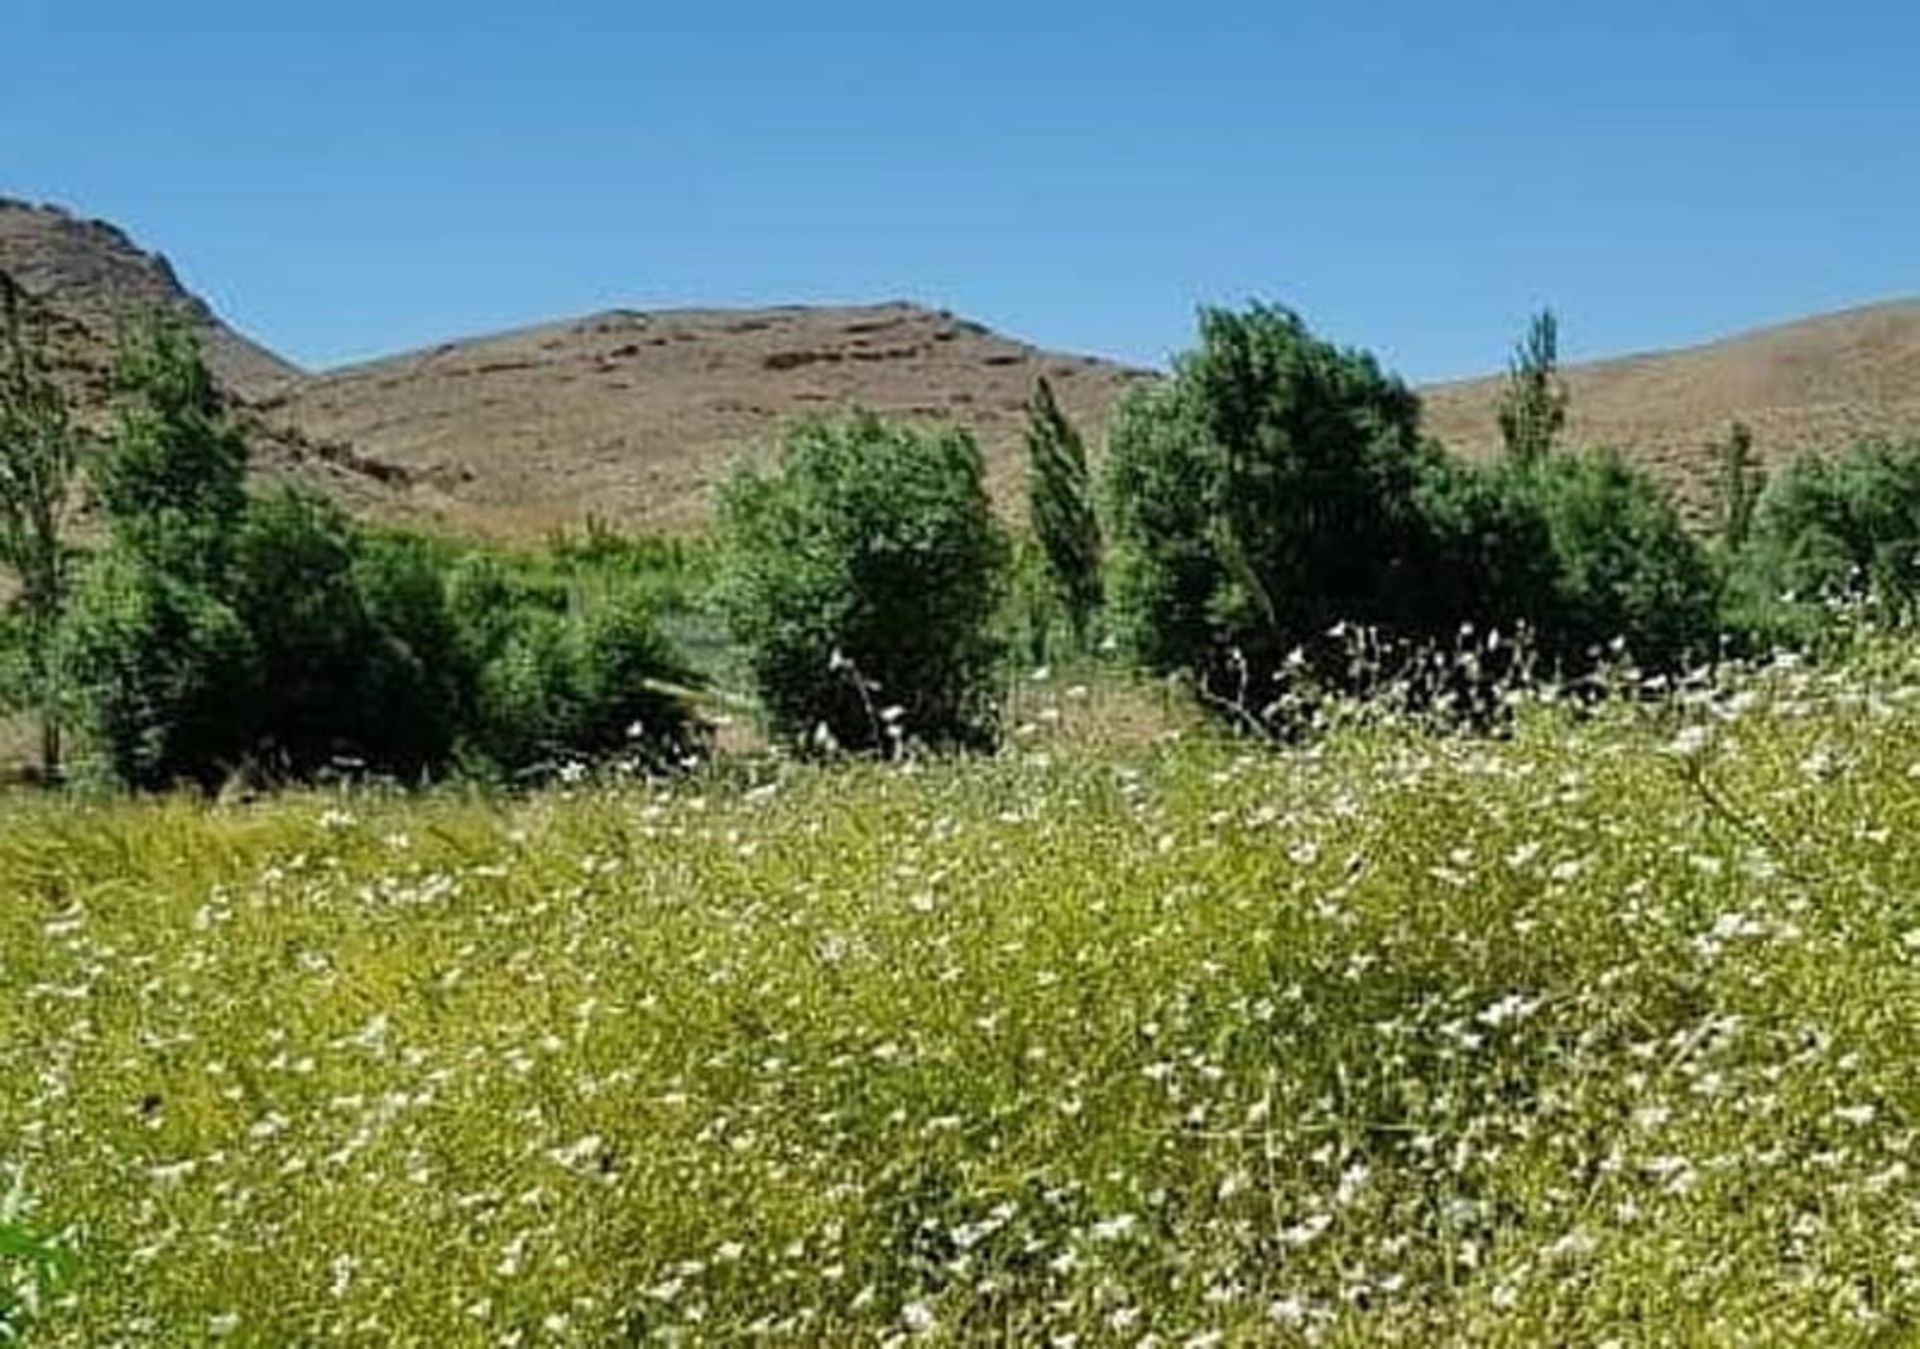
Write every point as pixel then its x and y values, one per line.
pixel 1604 1030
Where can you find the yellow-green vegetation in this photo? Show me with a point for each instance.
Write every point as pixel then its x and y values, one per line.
pixel 1603 1029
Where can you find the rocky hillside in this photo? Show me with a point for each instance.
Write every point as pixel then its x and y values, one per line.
pixel 633 416
pixel 90 272
pixel 1821 381
pixel 80 277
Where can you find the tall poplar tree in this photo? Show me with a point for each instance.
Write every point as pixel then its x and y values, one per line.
pixel 1060 508
pixel 1533 410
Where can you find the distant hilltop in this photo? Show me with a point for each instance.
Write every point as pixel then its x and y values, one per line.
pixel 633 416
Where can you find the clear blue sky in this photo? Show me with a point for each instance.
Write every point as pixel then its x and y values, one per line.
pixel 345 178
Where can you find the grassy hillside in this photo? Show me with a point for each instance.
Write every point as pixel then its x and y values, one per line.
pixel 1603 1030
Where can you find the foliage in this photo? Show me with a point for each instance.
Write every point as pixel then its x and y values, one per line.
pixel 39 458
pixel 274 636
pixel 1061 512
pixel 33 1268
pixel 1627 574
pixel 1601 1030
pixel 565 672
pixel 1035 627
pixel 352 647
pixel 172 479
pixel 1738 482
pixel 1266 494
pixel 1533 407
pixel 163 667
pixel 1837 527
pixel 165 670
pixel 861 577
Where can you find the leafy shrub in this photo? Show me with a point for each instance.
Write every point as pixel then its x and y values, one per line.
pixel 355 658
pixel 1491 556
pixel 564 671
pixel 1266 494
pixel 166 669
pixel 1844 527
pixel 861 578
pixel 1276 496
pixel 419 687
pixel 1626 573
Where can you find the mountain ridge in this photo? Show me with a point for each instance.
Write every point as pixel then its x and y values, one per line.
pixel 632 415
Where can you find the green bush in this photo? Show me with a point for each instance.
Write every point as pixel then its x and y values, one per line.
pixel 1266 495
pixel 1834 528
pixel 861 577
pixel 419 687
pixel 356 665
pixel 1276 498
pixel 566 666
pixel 1491 559
pixel 1584 552
pixel 1627 574
pixel 166 669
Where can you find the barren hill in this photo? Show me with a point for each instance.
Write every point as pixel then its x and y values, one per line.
pixel 1818 382
pixel 633 416
pixel 80 277
pixel 90 272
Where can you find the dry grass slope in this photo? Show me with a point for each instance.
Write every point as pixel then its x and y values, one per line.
pixel 633 416
pixel 1818 382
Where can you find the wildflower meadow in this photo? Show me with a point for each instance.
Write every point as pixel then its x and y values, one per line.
pixel 1598 1029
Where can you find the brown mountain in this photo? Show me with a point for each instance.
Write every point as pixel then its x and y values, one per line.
pixel 1818 382
pixel 90 272
pixel 633 416
pixel 80 277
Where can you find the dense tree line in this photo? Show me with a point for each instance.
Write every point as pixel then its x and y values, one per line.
pixel 209 631
pixel 1272 523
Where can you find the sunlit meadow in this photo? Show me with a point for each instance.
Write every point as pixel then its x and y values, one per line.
pixel 1606 1029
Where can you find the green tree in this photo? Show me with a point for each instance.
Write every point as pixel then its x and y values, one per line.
pixel 861 577
pixel 163 665
pixel 1265 494
pixel 1830 527
pixel 1738 484
pixel 1060 509
pixel 39 457
pixel 172 479
pixel 164 670
pixel 1533 408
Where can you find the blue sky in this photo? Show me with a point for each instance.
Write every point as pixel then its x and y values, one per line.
pixel 345 178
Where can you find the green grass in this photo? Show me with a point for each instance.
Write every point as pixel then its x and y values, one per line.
pixel 1605 1030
